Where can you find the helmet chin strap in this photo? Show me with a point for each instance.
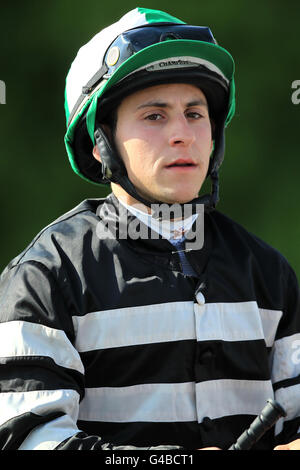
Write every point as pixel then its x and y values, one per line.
pixel 113 170
pixel 209 200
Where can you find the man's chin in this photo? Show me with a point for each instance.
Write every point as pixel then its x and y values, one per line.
pixel 179 199
pixel 165 197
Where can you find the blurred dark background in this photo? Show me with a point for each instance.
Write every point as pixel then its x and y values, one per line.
pixel 259 177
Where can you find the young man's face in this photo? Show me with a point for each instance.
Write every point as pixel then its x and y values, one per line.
pixel 164 137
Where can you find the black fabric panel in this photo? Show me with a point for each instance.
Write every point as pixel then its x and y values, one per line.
pixel 134 280
pixel 239 360
pixel 145 434
pixel 131 365
pixel 176 361
pixel 29 292
pixel 242 267
pixel 24 374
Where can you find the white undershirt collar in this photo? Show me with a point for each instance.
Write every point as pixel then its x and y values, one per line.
pixel 169 229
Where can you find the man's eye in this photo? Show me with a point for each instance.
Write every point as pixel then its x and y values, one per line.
pixel 154 117
pixel 194 115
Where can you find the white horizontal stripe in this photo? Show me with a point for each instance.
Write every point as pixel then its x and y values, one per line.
pixel 147 402
pixel 288 397
pixel 217 398
pixel 40 402
pixel 286 358
pixel 175 321
pixel 135 325
pixel 47 436
pixel 19 338
pixel 243 321
pixel 175 402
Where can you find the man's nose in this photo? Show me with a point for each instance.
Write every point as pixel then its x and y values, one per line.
pixel 181 132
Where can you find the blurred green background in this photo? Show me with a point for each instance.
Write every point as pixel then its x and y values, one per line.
pixel 259 177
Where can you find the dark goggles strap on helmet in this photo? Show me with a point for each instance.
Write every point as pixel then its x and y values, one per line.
pixel 94 80
pixel 91 84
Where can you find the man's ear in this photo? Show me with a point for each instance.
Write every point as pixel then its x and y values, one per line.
pixel 96 153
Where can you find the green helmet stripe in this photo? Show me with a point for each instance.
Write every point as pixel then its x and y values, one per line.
pixel 157 16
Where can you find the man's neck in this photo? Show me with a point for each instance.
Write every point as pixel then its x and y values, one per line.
pixel 129 200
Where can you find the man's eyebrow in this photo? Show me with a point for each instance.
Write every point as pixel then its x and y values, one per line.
pixel 154 104
pixel 161 104
pixel 198 102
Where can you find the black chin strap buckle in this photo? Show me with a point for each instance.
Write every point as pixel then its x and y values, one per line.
pixel 112 166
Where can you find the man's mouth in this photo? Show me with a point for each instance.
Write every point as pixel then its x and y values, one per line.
pixel 182 163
